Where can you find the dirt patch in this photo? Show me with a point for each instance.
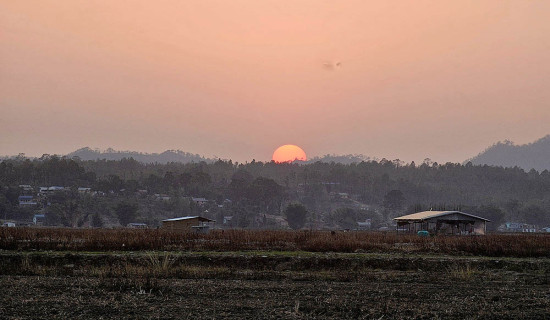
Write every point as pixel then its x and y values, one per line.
pixel 146 285
pixel 82 298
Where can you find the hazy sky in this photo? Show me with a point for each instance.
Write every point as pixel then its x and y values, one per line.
pixel 236 79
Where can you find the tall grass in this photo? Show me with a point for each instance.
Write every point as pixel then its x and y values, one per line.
pixel 65 239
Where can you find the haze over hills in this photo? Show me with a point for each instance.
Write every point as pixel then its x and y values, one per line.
pixel 535 155
pixel 164 157
pixel 343 159
pixel 167 156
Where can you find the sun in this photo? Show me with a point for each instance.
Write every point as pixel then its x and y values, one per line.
pixel 289 153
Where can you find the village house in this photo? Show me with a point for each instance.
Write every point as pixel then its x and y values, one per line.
pixel 27 189
pixel 517 227
pixel 162 197
pixel 200 201
pixel 442 222
pixel 188 224
pixel 83 190
pixel 39 219
pixel 52 189
pixel 227 220
pixel 364 225
pixel 26 201
pixel 136 225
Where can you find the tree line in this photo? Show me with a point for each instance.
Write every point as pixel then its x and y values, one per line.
pixel 334 194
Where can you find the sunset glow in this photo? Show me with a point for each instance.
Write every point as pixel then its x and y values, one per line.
pixel 407 80
pixel 289 153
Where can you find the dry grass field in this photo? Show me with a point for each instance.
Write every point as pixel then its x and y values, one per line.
pixel 67 239
pixel 129 274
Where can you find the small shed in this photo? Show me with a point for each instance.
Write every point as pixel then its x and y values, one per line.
pixel 39 219
pixel 364 225
pixel 188 224
pixel 443 222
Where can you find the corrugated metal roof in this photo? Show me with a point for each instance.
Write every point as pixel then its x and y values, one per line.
pixel 189 217
pixel 181 218
pixel 419 216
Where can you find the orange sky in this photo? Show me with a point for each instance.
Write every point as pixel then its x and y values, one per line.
pixel 236 79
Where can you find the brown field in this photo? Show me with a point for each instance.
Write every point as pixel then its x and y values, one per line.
pixel 65 239
pixel 82 274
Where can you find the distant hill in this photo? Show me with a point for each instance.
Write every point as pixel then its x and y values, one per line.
pixel 185 157
pixel 165 157
pixel 534 155
pixel 344 159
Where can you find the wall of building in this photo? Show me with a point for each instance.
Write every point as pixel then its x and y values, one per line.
pixel 479 227
pixel 448 225
pixel 180 225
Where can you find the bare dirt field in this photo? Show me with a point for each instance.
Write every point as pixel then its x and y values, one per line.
pixel 270 285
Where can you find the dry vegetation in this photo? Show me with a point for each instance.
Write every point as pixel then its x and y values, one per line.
pixel 62 239
pixel 105 273
pixel 270 285
pixel 89 298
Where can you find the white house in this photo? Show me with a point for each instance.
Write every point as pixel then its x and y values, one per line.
pixel 518 227
pixel 26 187
pixel 39 219
pixel 365 225
pixel 27 201
pixel 83 190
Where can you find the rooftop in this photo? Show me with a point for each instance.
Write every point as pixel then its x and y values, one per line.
pixel 420 216
pixel 189 217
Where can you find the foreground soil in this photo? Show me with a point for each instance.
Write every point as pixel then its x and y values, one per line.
pixel 270 286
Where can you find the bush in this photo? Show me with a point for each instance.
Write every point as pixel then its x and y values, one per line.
pixel 296 215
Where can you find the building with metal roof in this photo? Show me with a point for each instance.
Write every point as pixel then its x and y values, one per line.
pixel 39 219
pixel 443 222
pixel 26 201
pixel 188 224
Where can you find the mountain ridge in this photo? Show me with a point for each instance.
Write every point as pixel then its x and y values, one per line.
pixel 534 155
pixel 167 156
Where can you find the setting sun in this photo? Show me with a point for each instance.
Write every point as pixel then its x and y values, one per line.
pixel 289 153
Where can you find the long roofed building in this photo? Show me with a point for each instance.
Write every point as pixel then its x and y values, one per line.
pixel 443 222
pixel 187 224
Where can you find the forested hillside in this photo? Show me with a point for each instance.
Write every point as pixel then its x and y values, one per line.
pixel 534 155
pixel 256 193
pixel 164 157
